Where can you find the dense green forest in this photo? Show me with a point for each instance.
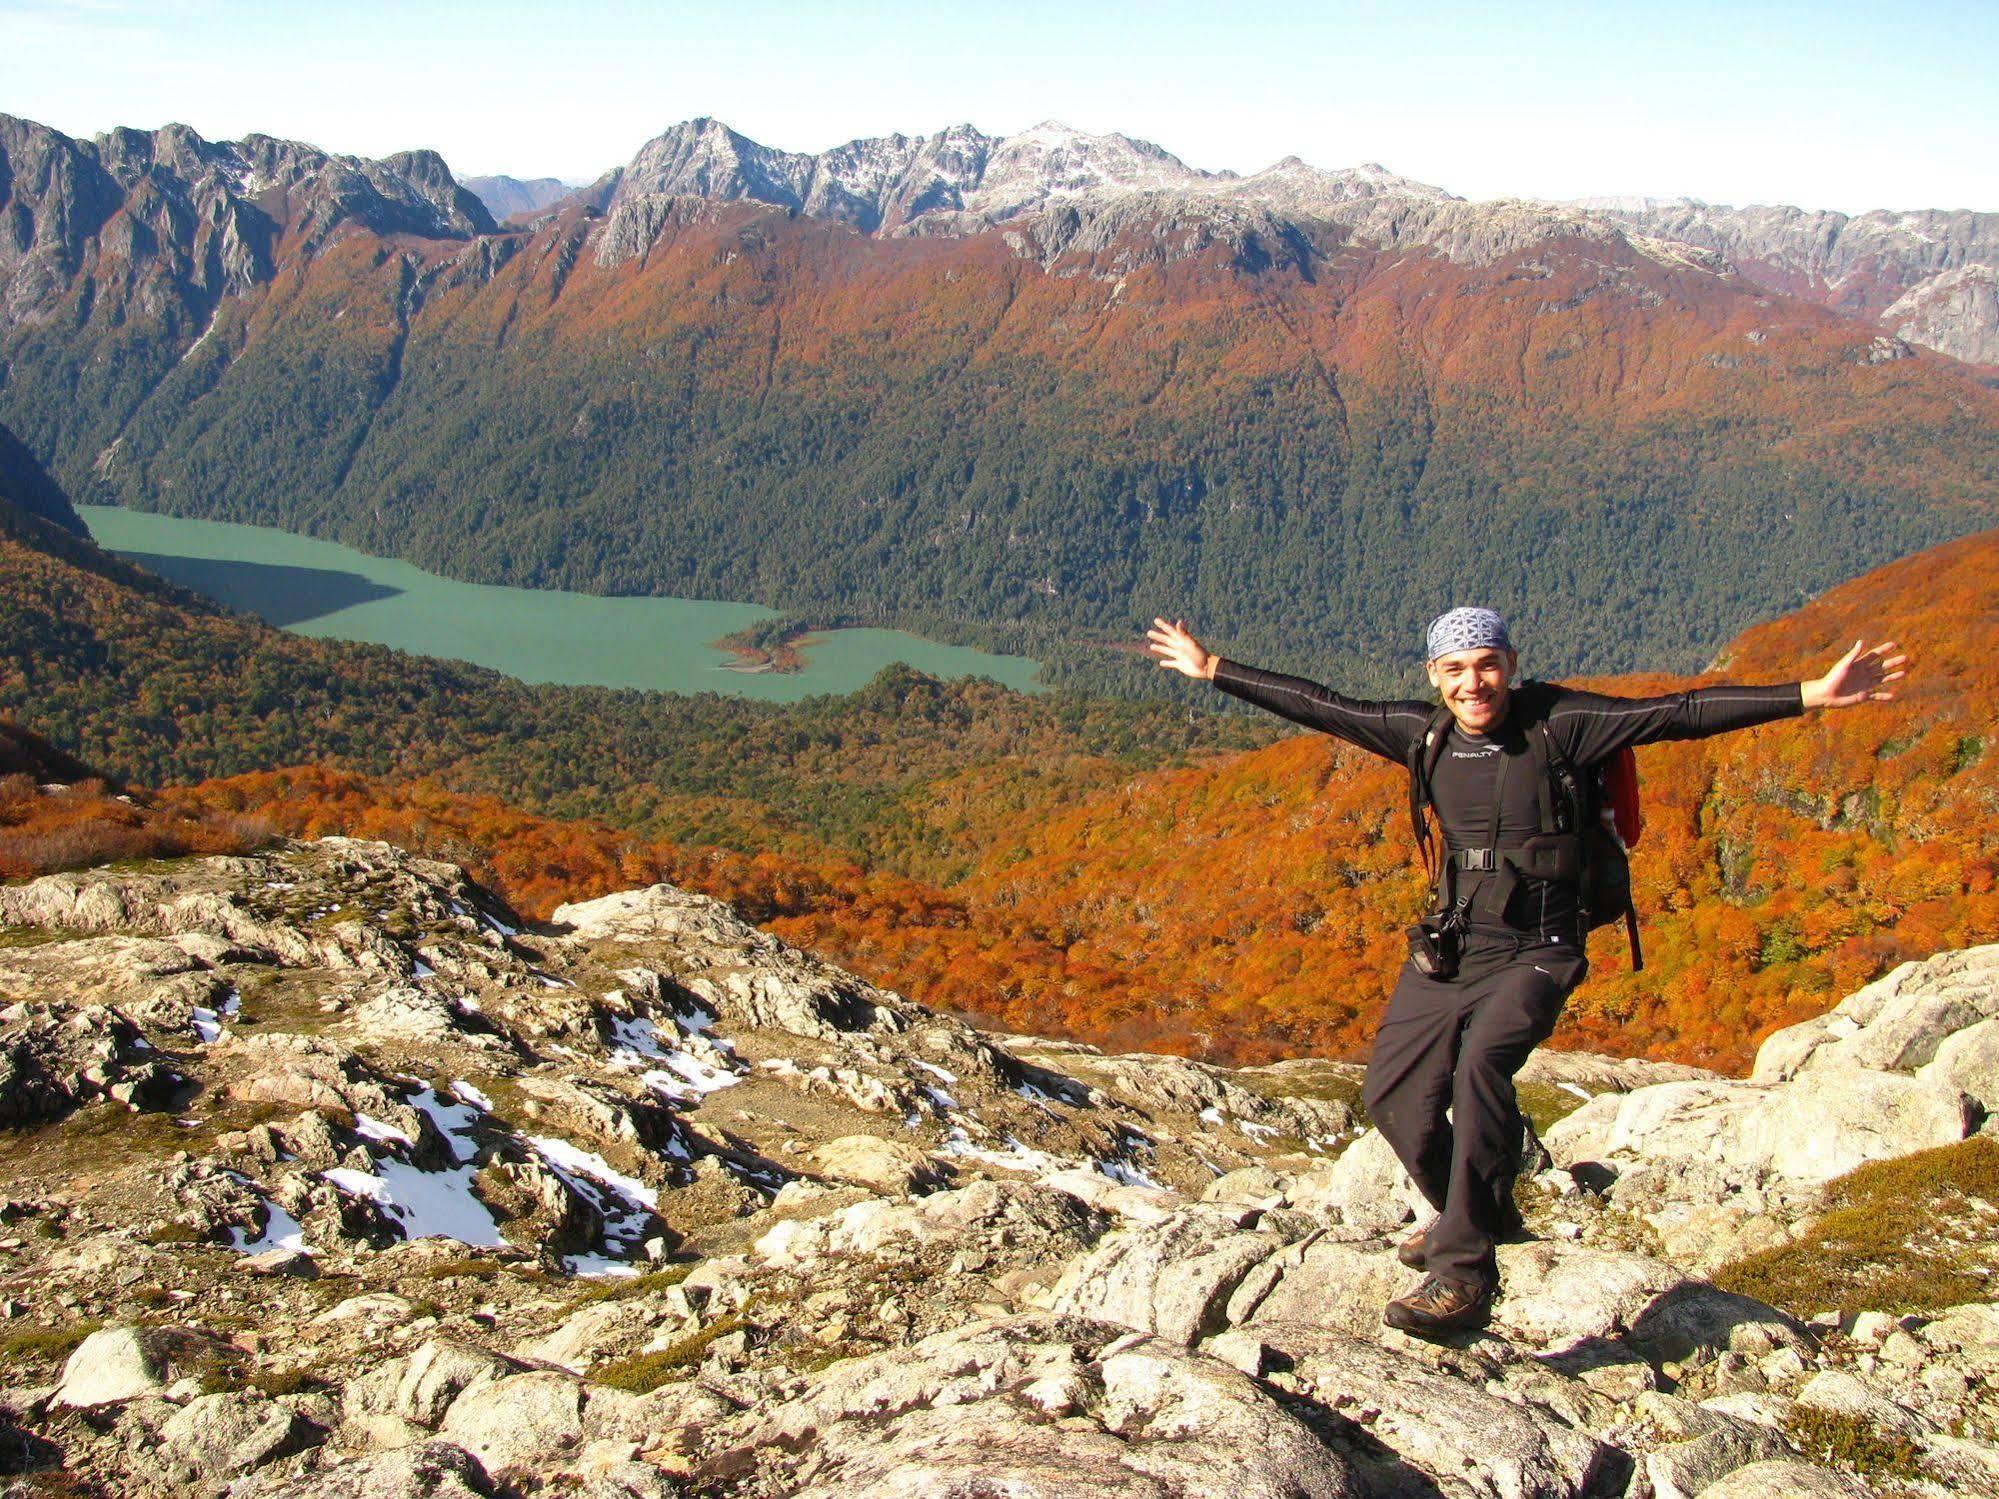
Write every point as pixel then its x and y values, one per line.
pixel 154 685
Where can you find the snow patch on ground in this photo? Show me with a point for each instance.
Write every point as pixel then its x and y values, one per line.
pixel 208 1023
pixel 424 1204
pixel 1016 1157
pixel 684 1077
pixel 626 1202
pixel 374 1129
pixel 1127 1175
pixel 472 1095
pixel 281 1229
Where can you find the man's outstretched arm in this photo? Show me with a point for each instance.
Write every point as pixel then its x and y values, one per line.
pixel 1593 726
pixel 1387 728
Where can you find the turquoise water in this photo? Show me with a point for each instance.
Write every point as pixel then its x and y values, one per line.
pixel 539 635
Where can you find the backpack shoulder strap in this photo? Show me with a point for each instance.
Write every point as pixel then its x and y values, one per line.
pixel 1424 752
pixel 1563 796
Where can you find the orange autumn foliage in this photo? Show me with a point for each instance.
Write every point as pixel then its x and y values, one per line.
pixel 1249 907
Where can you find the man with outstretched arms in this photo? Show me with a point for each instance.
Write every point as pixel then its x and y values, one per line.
pixel 1462 1021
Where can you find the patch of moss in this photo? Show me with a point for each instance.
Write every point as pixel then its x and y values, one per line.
pixel 218 1369
pixel 1546 1104
pixel 275 1382
pixel 630 1287
pixel 175 1233
pixel 33 1345
pixel 1321 1085
pixel 37 936
pixel 648 1371
pixel 1835 1439
pixel 814 1357
pixel 1914 1234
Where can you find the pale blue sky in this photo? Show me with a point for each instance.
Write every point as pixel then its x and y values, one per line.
pixel 1844 106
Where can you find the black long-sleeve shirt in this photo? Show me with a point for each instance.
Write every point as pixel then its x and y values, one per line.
pixel 1473 769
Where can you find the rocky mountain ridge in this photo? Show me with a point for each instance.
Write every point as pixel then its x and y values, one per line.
pixel 194 218
pixel 1930 273
pixel 322 1175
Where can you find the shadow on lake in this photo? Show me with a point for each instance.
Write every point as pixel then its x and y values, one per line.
pixel 275 593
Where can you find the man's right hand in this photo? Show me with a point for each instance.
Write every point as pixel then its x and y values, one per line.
pixel 1179 650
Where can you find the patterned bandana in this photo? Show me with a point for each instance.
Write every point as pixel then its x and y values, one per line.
pixel 1465 630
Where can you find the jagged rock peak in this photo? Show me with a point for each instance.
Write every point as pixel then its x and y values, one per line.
pixel 886 182
pixel 56 177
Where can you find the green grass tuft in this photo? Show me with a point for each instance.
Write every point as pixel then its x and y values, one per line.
pixel 43 1344
pixel 1914 1234
pixel 648 1371
pixel 1835 1439
pixel 630 1287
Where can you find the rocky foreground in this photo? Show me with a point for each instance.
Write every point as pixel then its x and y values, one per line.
pixel 324 1177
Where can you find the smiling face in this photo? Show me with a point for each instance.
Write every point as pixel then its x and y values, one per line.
pixel 1475 685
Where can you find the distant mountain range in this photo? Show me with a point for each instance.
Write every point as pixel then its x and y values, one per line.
pixel 1932 274
pixel 506 196
pixel 1021 391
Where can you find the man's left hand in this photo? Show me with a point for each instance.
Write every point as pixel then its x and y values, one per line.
pixel 1857 677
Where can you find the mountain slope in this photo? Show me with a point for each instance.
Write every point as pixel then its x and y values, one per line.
pixel 155 685
pixel 1249 906
pixel 1086 384
pixel 26 485
pixel 506 196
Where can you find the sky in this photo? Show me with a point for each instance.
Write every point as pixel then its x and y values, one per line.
pixel 1830 105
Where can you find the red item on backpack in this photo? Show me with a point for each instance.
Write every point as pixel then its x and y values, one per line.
pixel 1620 797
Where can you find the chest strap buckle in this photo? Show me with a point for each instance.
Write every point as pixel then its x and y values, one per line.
pixel 1482 859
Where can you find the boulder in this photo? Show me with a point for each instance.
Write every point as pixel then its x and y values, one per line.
pixel 1968 1061
pixel 1899 1021
pixel 1903 1035
pixel 227 1435
pixel 430 1470
pixel 1562 1296
pixel 1854 1116
pixel 888 1166
pixel 1783 1479
pixel 1844 1394
pixel 122 1363
pixel 1173 1278
pixel 1336 1285
pixel 1365 1187
pixel 1036 1408
pixel 518 1419
pixel 1706 1445
pixel 1461 1438
pixel 420 1387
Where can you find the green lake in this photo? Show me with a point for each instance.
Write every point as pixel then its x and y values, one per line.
pixel 539 635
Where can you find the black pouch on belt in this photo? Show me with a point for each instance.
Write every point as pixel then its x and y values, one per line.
pixel 1548 856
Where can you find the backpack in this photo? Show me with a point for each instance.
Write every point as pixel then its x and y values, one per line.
pixel 1588 822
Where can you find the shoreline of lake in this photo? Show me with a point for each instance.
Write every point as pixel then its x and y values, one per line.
pixel 321 588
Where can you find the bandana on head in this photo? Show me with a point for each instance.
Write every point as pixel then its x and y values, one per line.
pixel 1465 630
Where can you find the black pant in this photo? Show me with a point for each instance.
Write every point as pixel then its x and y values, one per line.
pixel 1456 1045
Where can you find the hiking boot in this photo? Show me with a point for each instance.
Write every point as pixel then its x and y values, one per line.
pixel 1439 1305
pixel 1412 1250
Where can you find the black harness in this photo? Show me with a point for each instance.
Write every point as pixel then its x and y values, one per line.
pixel 1573 846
